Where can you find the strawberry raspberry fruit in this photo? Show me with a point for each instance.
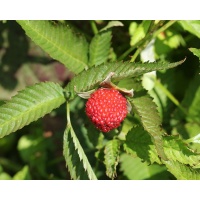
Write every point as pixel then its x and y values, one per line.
pixel 106 108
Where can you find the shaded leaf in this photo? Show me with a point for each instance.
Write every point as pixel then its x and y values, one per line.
pixel 29 105
pixel 60 42
pixel 138 143
pixel 191 102
pixel 111 157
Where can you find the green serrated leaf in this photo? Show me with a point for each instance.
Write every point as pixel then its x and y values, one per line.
pixel 193 26
pixel 111 157
pixel 144 106
pixel 177 150
pixel 60 42
pixel 112 24
pixel 88 80
pixel 76 160
pixel 99 48
pixel 181 171
pixel 29 105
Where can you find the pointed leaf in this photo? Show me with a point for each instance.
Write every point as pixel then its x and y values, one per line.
pixel 60 42
pixel 111 151
pixel 143 104
pixel 99 48
pixel 195 51
pixel 76 160
pixel 29 105
pixel 23 174
pixel 112 24
pixel 91 78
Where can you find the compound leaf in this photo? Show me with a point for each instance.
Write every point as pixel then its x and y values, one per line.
pixel 29 105
pixel 60 42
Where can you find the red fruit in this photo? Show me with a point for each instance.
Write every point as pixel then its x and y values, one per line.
pixel 106 108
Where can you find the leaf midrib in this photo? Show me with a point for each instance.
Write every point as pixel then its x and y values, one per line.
pixel 64 51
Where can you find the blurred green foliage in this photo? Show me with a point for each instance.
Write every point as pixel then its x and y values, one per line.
pixel 36 151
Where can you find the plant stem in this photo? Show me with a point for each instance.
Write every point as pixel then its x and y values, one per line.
pixel 68 112
pixel 170 96
pixel 163 28
pixel 142 43
pixel 94 27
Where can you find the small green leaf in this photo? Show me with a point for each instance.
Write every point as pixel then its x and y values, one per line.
pixel 76 160
pixel 29 105
pixel 99 48
pixel 111 157
pixel 60 42
pixel 140 32
pixel 88 80
pixel 193 26
pixel 112 24
pixel 23 174
pixel 195 51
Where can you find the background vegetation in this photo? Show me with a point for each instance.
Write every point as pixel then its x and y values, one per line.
pixel 68 53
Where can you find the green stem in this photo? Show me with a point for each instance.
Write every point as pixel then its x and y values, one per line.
pixel 149 36
pixel 171 96
pixel 68 112
pixel 94 27
pixel 135 55
pixel 163 28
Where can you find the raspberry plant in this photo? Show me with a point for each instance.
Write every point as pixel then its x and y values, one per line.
pixel 141 141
